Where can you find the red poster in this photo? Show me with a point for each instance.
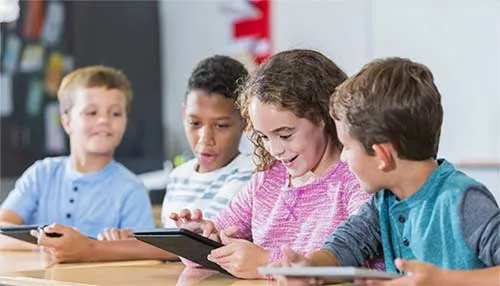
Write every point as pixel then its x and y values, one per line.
pixel 33 20
pixel 251 27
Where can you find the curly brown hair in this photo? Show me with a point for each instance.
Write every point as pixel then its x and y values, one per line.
pixel 300 81
pixel 392 100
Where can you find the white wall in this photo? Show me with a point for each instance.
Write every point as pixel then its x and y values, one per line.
pixel 191 31
pixel 458 39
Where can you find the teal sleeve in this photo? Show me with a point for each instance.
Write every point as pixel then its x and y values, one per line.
pixel 357 239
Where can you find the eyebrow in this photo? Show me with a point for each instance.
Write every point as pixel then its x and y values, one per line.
pixel 277 130
pixel 216 118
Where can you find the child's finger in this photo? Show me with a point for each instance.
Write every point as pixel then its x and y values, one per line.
pixel 197 215
pixel 222 252
pixel 208 228
pixel 185 214
pixel 230 231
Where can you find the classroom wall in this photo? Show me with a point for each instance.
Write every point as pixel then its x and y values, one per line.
pixel 458 39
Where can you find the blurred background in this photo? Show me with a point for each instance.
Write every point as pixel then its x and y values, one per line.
pixel 158 43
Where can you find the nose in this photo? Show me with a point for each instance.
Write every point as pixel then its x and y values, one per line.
pixel 103 118
pixel 275 148
pixel 206 136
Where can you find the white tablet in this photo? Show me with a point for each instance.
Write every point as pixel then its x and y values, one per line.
pixel 329 273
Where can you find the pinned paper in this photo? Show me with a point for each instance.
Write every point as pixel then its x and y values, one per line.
pixel 54 73
pixel 35 97
pixel 12 51
pixel 6 100
pixel 54 133
pixel 33 20
pixel 52 29
pixel 32 58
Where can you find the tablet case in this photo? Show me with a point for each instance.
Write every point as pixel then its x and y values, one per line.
pixel 184 243
pixel 329 273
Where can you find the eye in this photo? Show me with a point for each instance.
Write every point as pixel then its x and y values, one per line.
pixel 117 114
pixel 193 123
pixel 90 112
pixel 222 125
pixel 285 137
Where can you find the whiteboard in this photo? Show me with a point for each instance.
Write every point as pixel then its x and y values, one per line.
pixel 460 42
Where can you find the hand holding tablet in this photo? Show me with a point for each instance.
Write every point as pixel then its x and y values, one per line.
pixel 23 232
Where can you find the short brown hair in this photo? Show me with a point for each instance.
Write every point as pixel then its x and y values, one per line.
pixel 392 100
pixel 92 76
pixel 300 81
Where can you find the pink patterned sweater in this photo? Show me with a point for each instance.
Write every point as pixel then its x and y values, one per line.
pixel 271 214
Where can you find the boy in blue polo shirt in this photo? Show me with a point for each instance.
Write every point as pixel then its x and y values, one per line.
pixel 86 190
pixel 426 217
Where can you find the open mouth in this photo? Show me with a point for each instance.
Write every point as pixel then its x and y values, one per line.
pixel 206 157
pixel 290 160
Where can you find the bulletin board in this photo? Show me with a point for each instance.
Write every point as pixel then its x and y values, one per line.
pixel 35 57
pixel 52 38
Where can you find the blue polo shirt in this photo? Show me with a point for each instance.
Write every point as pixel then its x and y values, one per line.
pixel 51 191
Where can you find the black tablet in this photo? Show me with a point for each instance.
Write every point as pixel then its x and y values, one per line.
pixel 22 232
pixel 183 243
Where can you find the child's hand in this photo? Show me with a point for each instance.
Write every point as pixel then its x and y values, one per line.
pixel 239 257
pixel 111 234
pixel 71 246
pixel 420 273
pixel 195 223
pixel 294 259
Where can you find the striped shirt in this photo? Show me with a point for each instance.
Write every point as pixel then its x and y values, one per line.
pixel 209 191
pixel 271 214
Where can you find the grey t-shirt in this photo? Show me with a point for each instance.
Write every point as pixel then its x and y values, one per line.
pixel 358 239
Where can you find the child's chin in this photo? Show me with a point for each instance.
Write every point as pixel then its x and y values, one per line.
pixel 101 151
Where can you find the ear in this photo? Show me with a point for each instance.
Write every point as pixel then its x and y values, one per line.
pixel 66 122
pixel 385 156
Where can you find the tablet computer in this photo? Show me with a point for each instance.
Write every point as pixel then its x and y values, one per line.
pixel 22 232
pixel 183 243
pixel 341 274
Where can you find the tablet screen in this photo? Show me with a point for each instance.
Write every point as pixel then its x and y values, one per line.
pixel 183 243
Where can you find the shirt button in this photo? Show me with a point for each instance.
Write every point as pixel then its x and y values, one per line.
pixel 71 201
pixel 75 188
pixel 68 215
pixel 402 219
pixel 406 242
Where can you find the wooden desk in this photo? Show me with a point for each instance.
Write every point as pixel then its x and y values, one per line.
pixel 20 261
pixel 29 268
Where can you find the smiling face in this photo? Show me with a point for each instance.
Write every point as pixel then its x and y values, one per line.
pixel 213 127
pixel 297 142
pixel 96 121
